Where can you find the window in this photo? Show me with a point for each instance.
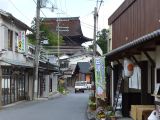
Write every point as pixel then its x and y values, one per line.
pixel 16 45
pixel 158 75
pixel 10 39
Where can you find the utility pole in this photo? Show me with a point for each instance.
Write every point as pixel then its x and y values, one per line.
pixel 37 49
pixel 0 86
pixel 94 44
pixel 60 29
pixel 95 30
pixel 58 39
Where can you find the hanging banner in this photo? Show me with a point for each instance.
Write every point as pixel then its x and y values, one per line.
pixel 128 68
pixel 99 63
pixel 21 41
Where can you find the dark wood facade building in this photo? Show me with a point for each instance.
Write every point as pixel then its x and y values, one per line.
pixel 135 35
pixel 70 29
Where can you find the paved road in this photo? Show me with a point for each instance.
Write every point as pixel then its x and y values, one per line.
pixel 68 107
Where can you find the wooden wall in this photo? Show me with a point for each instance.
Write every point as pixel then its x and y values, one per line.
pixel 133 19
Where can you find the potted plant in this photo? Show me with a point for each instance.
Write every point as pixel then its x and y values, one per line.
pixel 92 105
pixel 110 114
pixel 100 113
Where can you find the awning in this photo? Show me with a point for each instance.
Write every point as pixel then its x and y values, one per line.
pixel 151 37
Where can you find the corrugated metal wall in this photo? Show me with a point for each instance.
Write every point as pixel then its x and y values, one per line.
pixel 133 20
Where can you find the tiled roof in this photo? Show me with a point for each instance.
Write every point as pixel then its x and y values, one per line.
pixel 67 26
pixel 11 18
pixel 83 67
pixel 140 42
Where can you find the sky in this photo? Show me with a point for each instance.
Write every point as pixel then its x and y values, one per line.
pixel 25 10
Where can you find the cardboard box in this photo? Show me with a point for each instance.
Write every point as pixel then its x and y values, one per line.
pixel 134 110
pixel 140 111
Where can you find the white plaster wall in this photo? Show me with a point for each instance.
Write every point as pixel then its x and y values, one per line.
pixel 110 42
pixel 157 54
pixel 46 92
pixel 35 88
pixel 12 57
pixel 31 87
pixel 2 37
pixel 80 59
pixel 54 83
pixel 4 26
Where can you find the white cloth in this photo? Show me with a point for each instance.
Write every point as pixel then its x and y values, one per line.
pixel 153 115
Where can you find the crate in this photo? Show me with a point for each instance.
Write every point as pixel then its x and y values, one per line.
pixel 140 111
pixel 146 114
pixel 134 109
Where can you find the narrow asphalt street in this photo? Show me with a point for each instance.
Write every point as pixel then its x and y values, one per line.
pixel 66 107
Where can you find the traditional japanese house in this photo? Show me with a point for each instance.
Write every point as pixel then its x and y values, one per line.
pixel 15 67
pixel 17 64
pixel 82 72
pixel 70 29
pixel 135 36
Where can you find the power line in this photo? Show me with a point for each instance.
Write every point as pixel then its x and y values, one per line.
pixel 40 10
pixel 18 10
pixel 100 5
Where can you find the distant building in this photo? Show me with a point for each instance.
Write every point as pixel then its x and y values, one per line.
pixel 70 29
pixel 82 72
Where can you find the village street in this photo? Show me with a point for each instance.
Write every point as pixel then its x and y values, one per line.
pixel 65 107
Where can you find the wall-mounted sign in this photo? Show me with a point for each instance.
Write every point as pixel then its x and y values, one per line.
pixel 21 41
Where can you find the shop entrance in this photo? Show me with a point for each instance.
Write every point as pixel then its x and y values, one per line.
pixel 13 85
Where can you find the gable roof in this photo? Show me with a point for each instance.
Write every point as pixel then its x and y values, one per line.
pixel 69 28
pixel 83 67
pixel 10 18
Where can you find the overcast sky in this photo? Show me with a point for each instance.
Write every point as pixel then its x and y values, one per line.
pixel 25 10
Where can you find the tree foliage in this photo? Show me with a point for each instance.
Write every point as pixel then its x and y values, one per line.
pixel 45 33
pixel 103 38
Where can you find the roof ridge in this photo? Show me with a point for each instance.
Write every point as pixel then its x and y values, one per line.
pixel 5 13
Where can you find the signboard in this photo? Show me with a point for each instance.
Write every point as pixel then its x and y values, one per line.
pixel 99 63
pixel 21 41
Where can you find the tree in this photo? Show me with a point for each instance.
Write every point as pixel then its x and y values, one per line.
pixel 103 38
pixel 45 32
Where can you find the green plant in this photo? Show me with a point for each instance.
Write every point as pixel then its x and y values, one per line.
pixel 92 98
pixel 61 89
pixel 100 113
pixel 109 108
pixel 92 105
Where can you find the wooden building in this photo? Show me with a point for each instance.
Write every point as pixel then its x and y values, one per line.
pixel 70 29
pixel 82 72
pixel 135 36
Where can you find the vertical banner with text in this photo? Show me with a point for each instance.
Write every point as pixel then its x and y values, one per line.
pixel 21 41
pixel 99 63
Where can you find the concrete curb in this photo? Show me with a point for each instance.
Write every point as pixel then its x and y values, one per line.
pixel 37 100
pixel 13 104
pixel 54 96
